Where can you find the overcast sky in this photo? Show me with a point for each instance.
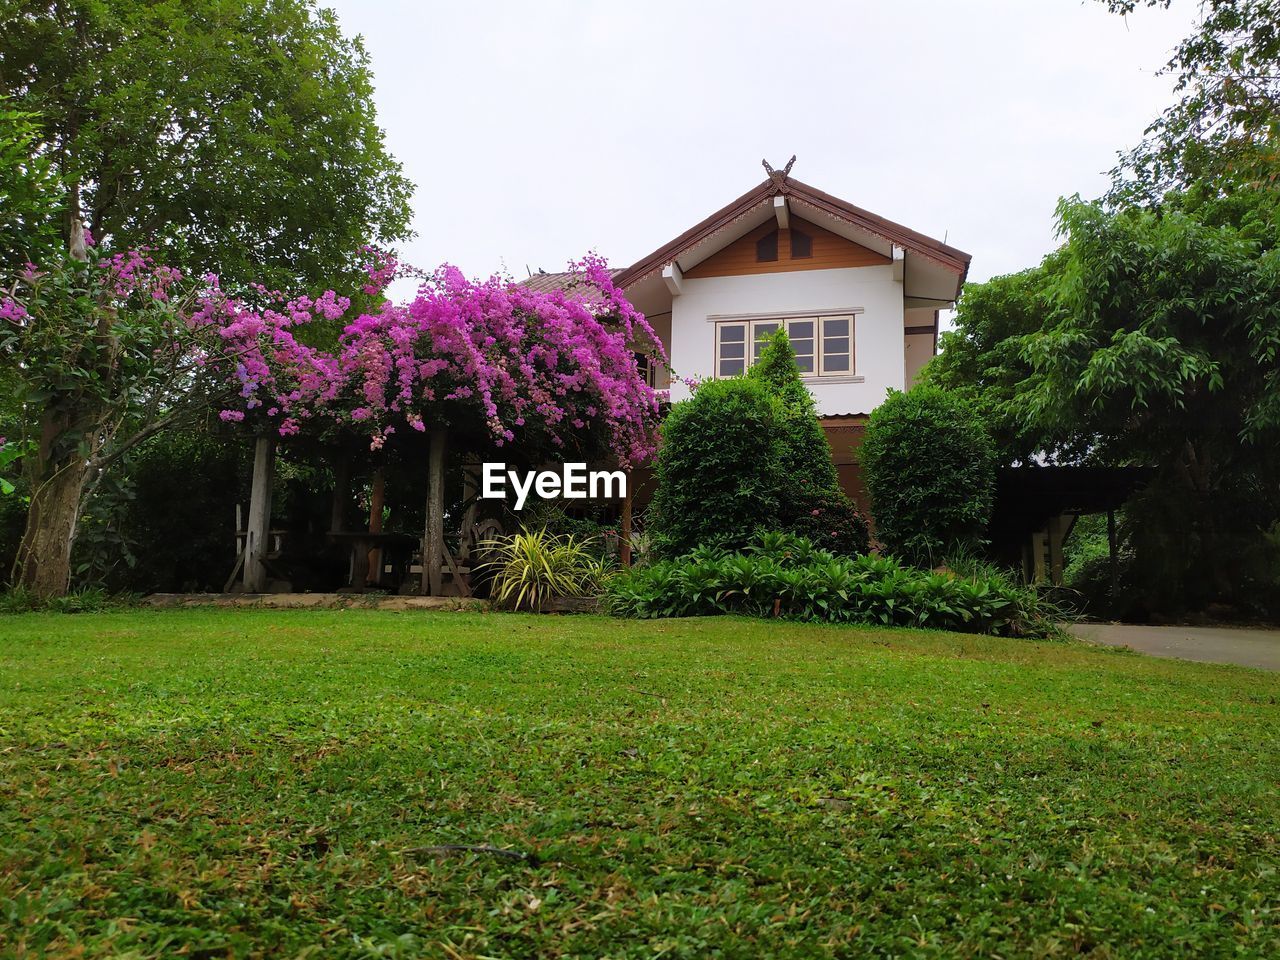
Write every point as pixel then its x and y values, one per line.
pixel 538 131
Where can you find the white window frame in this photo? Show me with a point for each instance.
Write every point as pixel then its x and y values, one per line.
pixel 819 319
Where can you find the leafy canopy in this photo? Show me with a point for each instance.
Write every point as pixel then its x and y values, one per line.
pixel 236 136
pixel 1223 130
pixel 30 193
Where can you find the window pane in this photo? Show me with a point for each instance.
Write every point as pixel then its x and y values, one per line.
pixel 835 364
pixel 735 351
pixel 731 368
pixel 801 245
pixel 733 332
pixel 800 330
pixel 761 333
pixel 835 345
pixel 805 364
pixel 835 327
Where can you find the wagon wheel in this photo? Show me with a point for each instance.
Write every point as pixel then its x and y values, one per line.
pixel 482 531
pixel 477 537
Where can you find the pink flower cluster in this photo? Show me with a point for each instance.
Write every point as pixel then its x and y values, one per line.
pixel 523 365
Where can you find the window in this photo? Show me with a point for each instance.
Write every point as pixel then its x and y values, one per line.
pixel 731 349
pixel 823 345
pixel 804 343
pixel 648 369
pixel 767 247
pixel 837 345
pixel 801 245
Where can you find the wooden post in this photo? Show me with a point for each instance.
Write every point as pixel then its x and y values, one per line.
pixel 1055 551
pixel 1114 561
pixel 624 543
pixel 259 526
pixel 433 535
pixel 377 499
pixel 341 492
pixel 1037 557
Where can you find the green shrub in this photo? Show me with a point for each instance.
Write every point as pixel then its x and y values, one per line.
pixel 806 455
pixel 929 466
pixel 748 454
pixel 720 467
pixel 84 600
pixel 785 575
pixel 533 568
pixel 829 519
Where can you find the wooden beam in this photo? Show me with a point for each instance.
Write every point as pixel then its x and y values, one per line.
pixel 673 277
pixel 624 543
pixel 1055 550
pixel 377 500
pixel 341 492
pixel 782 212
pixel 433 535
pixel 259 525
pixel 1037 557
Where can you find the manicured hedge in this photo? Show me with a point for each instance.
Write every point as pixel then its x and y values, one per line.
pixel 786 576
pixel 720 467
pixel 747 454
pixel 929 466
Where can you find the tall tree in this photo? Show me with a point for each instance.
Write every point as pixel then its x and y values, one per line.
pixel 1223 130
pixel 1151 337
pixel 238 136
pixel 30 193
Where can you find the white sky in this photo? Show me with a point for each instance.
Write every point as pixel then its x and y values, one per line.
pixel 538 131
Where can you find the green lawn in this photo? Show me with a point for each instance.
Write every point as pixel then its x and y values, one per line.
pixel 242 783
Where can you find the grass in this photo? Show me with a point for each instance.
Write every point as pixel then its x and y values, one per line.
pixel 246 783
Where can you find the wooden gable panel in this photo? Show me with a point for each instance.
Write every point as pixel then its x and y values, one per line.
pixel 829 252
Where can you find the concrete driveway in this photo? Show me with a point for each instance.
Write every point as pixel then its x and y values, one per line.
pixel 1244 646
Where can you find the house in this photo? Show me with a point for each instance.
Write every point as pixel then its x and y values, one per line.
pixel 859 295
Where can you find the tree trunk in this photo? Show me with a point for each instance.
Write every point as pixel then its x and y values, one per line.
pixel 433 534
pixel 43 563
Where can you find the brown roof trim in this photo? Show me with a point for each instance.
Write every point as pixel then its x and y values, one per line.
pixel 948 256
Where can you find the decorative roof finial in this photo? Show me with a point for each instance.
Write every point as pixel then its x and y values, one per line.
pixel 777 176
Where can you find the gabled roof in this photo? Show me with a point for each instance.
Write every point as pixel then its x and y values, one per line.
pixel 551 282
pixel 779 184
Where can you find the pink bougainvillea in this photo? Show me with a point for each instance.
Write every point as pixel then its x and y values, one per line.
pixel 555 367
pixel 554 370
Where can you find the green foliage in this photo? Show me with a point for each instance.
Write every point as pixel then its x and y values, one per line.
pixel 806 455
pixel 829 519
pixel 929 466
pixel 1149 338
pixel 720 467
pixel 981 358
pixel 677 787
pixel 784 575
pixel 84 600
pixel 532 568
pixel 748 454
pixel 165 521
pixel 238 137
pixel 30 193
pixel 1223 130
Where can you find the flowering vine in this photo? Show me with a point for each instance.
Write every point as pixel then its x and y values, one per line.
pixel 518 364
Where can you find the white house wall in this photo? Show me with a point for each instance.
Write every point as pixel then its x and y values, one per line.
pixel 869 292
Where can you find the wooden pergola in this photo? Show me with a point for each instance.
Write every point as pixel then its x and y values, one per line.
pixel 253 564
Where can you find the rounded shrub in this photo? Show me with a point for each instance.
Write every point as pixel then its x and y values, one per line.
pixel 806 454
pixel 929 465
pixel 828 519
pixel 720 467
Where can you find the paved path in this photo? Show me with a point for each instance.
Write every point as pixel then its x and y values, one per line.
pixel 1246 647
